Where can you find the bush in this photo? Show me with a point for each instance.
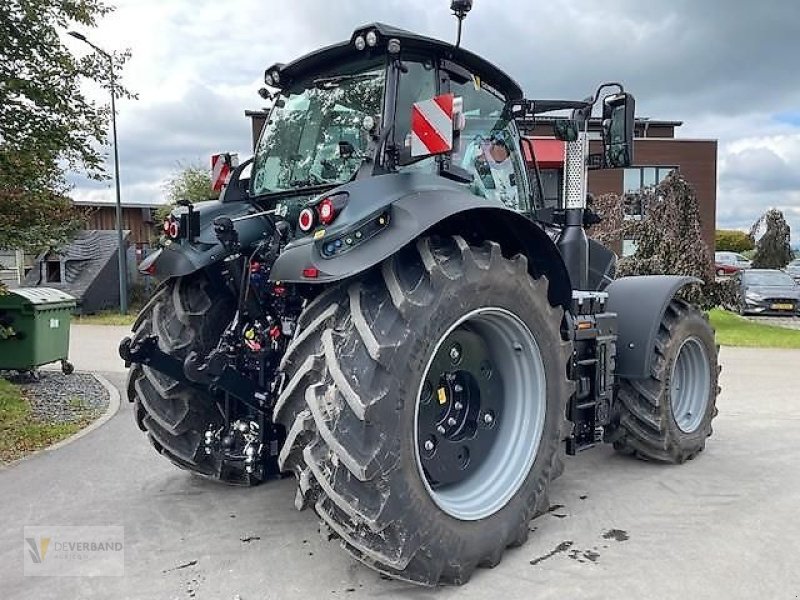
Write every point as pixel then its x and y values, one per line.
pixel 773 250
pixel 732 240
pixel 669 239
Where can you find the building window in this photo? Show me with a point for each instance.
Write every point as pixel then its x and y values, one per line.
pixel 641 177
pixel 52 271
pixel 634 181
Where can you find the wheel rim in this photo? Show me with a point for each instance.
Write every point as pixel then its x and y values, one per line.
pixel 480 413
pixel 689 385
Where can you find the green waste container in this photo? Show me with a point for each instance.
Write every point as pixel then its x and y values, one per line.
pixel 34 328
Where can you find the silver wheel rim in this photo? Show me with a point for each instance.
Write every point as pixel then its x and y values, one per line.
pixel 518 362
pixel 689 385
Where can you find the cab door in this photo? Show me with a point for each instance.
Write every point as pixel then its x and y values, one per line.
pixel 486 148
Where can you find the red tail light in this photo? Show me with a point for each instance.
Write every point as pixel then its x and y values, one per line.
pixel 172 227
pixel 326 211
pixel 306 220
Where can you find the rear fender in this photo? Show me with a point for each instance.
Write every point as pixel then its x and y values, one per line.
pixel 416 205
pixel 640 303
pixel 181 258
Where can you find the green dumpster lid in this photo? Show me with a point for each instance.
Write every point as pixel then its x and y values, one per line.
pixel 42 295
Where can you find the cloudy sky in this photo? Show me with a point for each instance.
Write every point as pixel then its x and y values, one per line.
pixel 727 68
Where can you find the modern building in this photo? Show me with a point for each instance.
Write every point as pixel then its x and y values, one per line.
pixel 657 152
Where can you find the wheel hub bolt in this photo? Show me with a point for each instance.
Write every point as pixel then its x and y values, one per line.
pixel 458 389
pixel 451 421
pixel 455 353
pixel 488 418
pixel 429 445
pixel 441 429
pixel 458 406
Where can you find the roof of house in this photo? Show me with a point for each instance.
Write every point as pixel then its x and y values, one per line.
pixel 83 259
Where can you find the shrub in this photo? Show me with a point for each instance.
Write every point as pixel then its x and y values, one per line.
pixel 732 240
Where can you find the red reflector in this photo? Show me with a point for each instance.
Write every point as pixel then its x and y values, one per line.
pixel 306 219
pixel 174 229
pixel 326 211
pixel 279 290
pixel 151 270
pixel 310 272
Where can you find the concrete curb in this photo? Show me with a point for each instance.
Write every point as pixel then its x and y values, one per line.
pixel 113 407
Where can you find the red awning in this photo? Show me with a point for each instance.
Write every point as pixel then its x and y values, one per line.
pixel 549 152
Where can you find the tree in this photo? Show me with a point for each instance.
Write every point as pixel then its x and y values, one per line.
pixel 34 211
pixel 191 182
pixel 773 249
pixel 732 240
pixel 47 123
pixel 668 238
pixel 43 111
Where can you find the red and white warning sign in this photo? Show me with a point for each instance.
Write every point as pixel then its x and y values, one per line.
pixel 432 126
pixel 221 165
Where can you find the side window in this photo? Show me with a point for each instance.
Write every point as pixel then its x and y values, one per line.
pixel 488 147
pixel 418 83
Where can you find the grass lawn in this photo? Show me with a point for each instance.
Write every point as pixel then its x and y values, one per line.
pixel 109 317
pixel 733 330
pixel 21 434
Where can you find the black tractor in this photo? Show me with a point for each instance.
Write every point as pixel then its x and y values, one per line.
pixel 381 304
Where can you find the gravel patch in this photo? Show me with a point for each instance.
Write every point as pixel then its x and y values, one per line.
pixel 785 322
pixel 58 398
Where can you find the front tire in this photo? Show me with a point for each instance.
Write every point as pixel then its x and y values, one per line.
pixel 667 417
pixel 356 375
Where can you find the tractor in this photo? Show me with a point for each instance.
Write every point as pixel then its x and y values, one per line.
pixel 381 305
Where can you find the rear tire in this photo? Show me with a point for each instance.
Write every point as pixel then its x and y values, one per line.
pixel 667 417
pixel 354 374
pixel 187 314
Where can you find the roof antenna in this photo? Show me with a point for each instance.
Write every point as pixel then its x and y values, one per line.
pixel 460 9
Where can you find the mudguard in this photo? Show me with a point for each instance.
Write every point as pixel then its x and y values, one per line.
pixel 182 258
pixel 640 303
pixel 413 204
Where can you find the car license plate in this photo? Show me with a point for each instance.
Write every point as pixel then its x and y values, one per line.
pixel 782 306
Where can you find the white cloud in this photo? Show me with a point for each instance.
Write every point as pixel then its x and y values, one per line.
pixel 726 73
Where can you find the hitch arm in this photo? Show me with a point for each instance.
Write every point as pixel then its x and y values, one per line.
pixel 192 373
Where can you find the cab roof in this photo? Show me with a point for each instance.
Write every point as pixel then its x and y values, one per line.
pixel 316 62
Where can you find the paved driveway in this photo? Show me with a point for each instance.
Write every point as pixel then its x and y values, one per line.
pixel 722 526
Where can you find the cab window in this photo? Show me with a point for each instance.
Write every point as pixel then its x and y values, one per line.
pixel 487 147
pixel 416 84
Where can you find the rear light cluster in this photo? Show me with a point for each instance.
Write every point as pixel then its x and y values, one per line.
pixel 172 227
pixel 323 212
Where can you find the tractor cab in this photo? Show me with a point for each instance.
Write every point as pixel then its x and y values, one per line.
pixel 390 101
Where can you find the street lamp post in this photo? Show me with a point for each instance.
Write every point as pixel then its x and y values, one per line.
pixel 123 273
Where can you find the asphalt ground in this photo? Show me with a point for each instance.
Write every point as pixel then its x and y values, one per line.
pixel 724 525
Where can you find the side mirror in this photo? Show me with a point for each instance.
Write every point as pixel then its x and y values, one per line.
pixel 618 127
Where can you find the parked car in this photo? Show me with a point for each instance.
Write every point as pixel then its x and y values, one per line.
pixel 767 291
pixel 728 263
pixel 793 269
